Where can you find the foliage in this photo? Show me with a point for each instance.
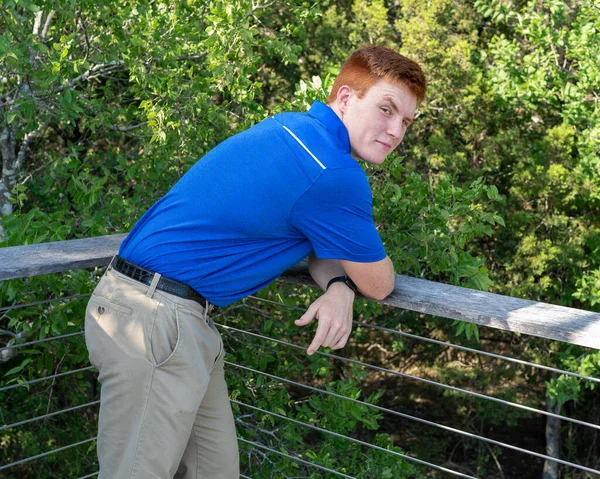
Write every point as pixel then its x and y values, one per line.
pixel 329 412
pixel 104 105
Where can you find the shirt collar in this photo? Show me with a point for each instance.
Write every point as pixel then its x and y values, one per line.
pixel 332 122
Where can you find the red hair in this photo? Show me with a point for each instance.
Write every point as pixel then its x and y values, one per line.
pixel 372 63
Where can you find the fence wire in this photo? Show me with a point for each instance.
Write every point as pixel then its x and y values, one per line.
pixel 295 458
pixel 426 381
pixel 49 415
pixel 5 309
pixel 44 454
pixel 444 343
pixel 416 419
pixel 321 391
pixel 351 439
pixel 45 340
pixel 46 378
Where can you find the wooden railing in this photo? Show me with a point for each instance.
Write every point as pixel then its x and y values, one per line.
pixel 559 323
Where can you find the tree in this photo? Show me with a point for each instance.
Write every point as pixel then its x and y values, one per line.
pixel 104 105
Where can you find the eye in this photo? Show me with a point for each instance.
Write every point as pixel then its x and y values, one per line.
pixel 406 123
pixel 386 110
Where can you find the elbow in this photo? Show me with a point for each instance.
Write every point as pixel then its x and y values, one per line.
pixel 374 280
pixel 383 291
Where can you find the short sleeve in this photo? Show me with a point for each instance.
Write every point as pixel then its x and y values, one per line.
pixel 335 214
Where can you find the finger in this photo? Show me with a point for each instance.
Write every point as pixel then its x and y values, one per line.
pixel 334 333
pixel 320 336
pixel 307 317
pixel 339 336
pixel 343 335
pixel 342 342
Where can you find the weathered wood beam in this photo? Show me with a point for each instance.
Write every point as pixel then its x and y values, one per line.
pixel 544 320
pixel 56 257
pixel 570 325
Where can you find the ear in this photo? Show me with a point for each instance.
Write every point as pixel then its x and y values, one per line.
pixel 344 94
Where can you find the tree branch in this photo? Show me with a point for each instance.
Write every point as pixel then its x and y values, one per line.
pixel 257 7
pixel 32 173
pixel 95 71
pixel 38 22
pixel 28 138
pixel 8 25
pixel 124 129
pixel 7 148
pixel 88 47
pixel 47 24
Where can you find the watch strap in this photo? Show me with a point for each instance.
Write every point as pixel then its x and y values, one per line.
pixel 342 279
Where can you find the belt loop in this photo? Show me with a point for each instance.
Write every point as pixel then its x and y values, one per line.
pixel 111 262
pixel 207 310
pixel 153 285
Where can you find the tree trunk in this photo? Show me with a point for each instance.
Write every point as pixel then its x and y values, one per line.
pixel 552 441
pixel 13 158
pixel 9 172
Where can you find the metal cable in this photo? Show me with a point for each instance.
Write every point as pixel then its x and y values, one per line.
pixel 33 381
pixel 478 351
pixel 241 475
pixel 408 416
pixel 293 458
pixel 43 301
pixel 93 474
pixel 343 359
pixel 31 343
pixel 427 381
pixel 270 301
pixel 44 454
pixel 45 416
pixel 316 389
pixel 446 344
pixel 357 441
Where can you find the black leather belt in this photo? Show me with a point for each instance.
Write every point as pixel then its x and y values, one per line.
pixel 164 284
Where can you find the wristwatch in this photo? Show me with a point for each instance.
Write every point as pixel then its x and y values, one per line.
pixel 343 279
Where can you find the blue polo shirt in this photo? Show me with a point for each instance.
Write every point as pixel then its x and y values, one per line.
pixel 257 204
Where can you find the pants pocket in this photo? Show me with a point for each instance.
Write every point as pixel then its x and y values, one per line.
pixel 101 317
pixel 164 335
pixel 221 352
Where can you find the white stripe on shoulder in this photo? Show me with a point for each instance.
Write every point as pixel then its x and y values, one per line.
pixel 304 146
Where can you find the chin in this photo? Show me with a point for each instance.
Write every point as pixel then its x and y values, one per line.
pixel 374 160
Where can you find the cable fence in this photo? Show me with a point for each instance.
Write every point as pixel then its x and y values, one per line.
pixel 342 414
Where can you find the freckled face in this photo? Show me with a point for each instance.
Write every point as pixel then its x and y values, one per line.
pixel 377 122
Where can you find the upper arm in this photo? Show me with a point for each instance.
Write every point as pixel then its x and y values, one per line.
pixel 374 280
pixel 335 215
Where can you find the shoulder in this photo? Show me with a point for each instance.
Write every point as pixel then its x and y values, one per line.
pixel 350 181
pixel 310 136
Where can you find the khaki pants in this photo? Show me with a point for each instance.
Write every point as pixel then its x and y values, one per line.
pixel 164 406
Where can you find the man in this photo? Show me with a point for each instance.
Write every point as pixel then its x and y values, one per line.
pixel 258 203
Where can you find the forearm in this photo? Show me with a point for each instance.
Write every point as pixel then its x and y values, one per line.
pixel 322 270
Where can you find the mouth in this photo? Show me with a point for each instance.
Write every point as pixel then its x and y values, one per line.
pixel 384 144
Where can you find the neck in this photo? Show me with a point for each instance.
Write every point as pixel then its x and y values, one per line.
pixel 337 111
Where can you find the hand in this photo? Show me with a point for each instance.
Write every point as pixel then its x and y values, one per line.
pixel 333 310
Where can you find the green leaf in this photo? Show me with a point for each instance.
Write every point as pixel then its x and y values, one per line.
pixel 19 368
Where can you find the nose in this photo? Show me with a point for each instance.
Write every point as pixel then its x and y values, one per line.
pixel 396 129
